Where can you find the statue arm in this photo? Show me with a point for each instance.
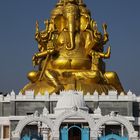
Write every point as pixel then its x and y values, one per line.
pixel 44 53
pixel 107 54
pixel 37 56
pixel 41 54
pixel 99 38
pixel 43 36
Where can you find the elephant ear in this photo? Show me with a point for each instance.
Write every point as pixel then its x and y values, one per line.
pixel 84 23
pixel 93 25
pixel 60 23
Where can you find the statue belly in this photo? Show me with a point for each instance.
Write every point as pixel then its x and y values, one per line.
pixel 71 63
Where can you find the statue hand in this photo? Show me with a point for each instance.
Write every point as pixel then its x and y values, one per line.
pixel 104 28
pixel 108 53
pixel 46 22
pixel 37 36
pixel 105 36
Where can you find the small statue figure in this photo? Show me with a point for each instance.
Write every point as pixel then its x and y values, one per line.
pixel 97 58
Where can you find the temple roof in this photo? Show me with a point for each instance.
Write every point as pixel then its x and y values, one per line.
pixel 71 100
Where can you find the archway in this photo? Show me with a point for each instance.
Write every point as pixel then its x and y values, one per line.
pixel 73 113
pixel 27 120
pixel 116 118
pixel 74 133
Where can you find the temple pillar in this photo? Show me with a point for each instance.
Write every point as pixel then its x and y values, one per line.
pixel 93 138
pixel 93 135
pixel 45 133
pixel 103 127
pixel 122 130
pixel 133 138
pixel 55 138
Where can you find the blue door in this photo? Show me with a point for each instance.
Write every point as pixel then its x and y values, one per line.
pixel 84 132
pixel 64 134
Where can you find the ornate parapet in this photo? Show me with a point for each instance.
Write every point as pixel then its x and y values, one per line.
pixel 112 96
pixel 30 96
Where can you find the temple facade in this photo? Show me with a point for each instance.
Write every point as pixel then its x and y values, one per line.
pixel 70 95
pixel 69 115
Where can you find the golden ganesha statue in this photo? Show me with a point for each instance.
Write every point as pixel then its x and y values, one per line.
pixel 71 52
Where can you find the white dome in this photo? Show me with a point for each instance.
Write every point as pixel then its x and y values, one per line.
pixel 70 100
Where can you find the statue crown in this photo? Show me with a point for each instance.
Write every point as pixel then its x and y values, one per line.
pixel 79 2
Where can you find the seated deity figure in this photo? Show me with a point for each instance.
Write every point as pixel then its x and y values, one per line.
pixel 71 52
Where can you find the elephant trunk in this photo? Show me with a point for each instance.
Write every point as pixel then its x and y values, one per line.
pixel 70 12
pixel 71 30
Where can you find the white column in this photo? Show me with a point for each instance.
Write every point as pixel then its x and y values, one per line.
pixel 45 133
pixel 1 131
pixel 104 130
pixel 39 128
pixel 93 138
pixel 122 130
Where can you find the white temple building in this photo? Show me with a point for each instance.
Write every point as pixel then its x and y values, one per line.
pixel 83 101
pixel 69 115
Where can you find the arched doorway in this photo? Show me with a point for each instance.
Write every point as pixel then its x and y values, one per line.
pixel 117 120
pixel 38 123
pixel 74 132
pixel 31 132
pixel 87 129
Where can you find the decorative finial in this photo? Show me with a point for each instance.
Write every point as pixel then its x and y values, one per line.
pixel 98 111
pixel 45 111
pixel 36 114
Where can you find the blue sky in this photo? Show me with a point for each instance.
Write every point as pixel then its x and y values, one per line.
pixel 17 44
